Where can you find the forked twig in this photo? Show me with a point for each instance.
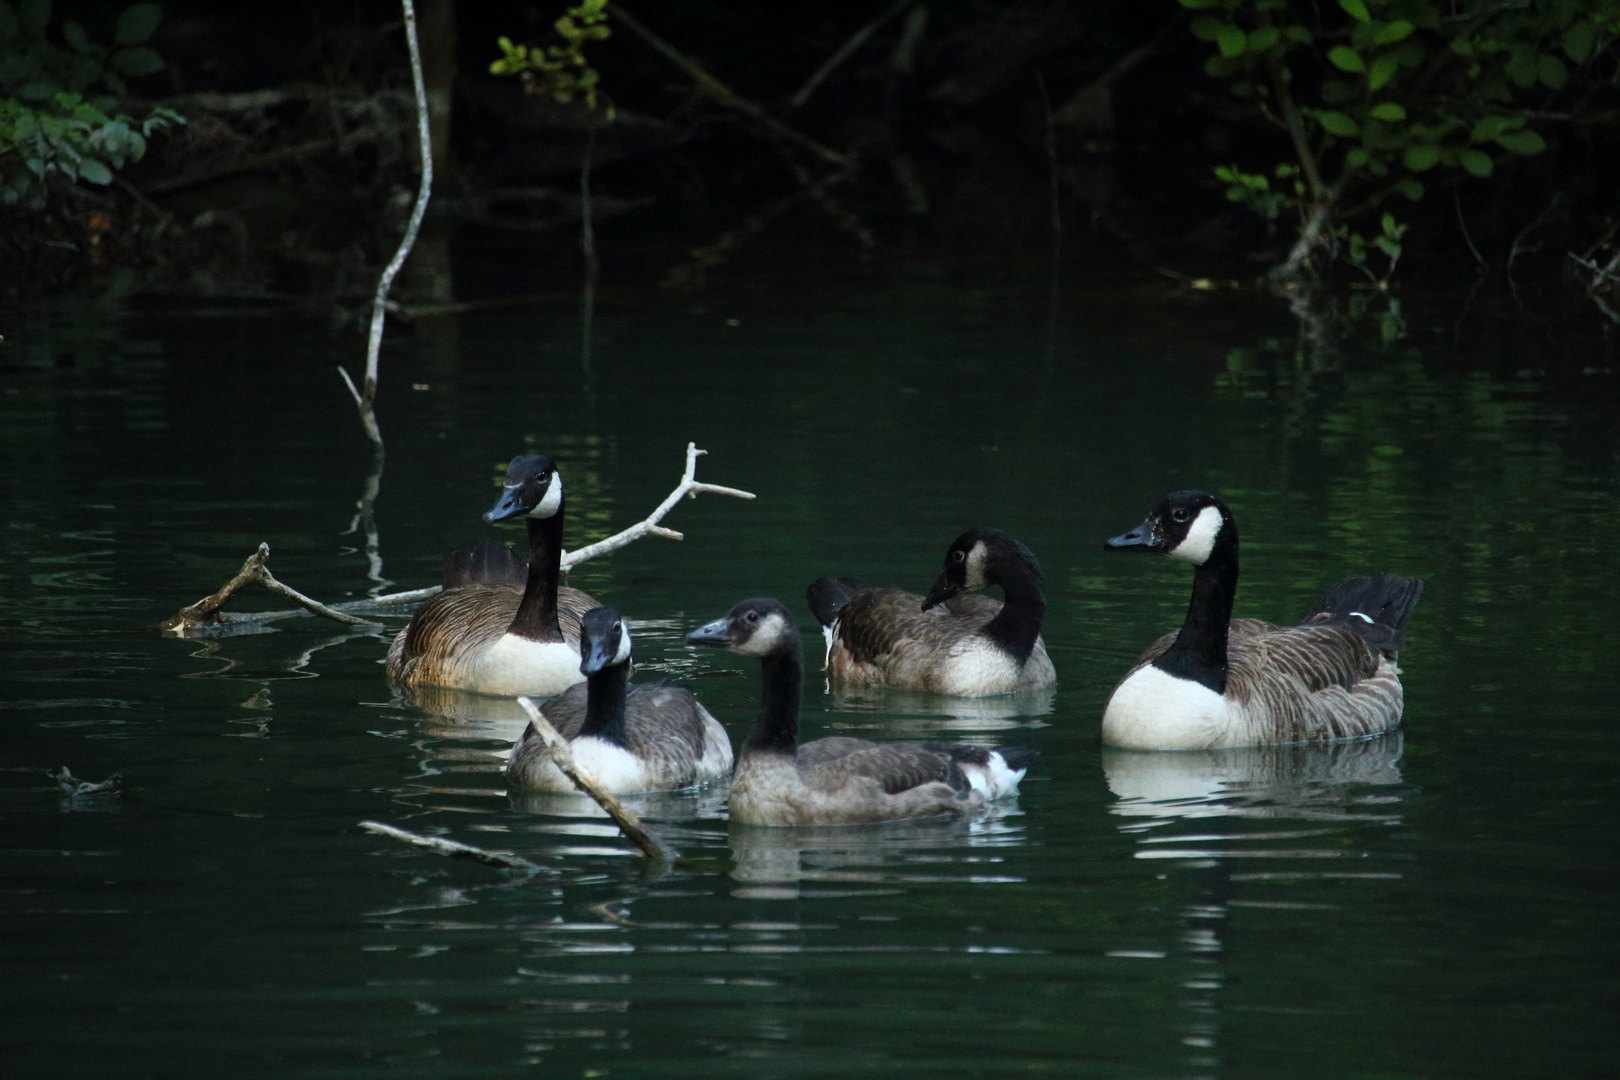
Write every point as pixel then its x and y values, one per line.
pixel 562 755
pixel 253 572
pixel 689 487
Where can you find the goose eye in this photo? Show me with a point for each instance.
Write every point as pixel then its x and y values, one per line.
pixel 1179 514
pixel 958 556
pixel 752 616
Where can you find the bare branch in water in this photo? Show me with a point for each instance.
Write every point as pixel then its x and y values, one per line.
pixel 452 848
pixel 562 755
pixel 848 49
pixel 205 613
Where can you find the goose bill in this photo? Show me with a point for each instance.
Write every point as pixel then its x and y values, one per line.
pixel 1145 537
pixel 714 633
pixel 943 590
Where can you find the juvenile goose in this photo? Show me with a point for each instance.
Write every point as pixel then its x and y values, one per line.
pixel 951 642
pixel 839 781
pixel 494 629
pixel 652 737
pixel 1226 682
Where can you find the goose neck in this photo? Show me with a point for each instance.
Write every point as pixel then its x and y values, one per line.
pixel 1199 652
pixel 1018 624
pixel 536 617
pixel 605 692
pixel 778 725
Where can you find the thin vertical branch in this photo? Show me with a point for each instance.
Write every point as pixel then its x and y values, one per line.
pixel 587 244
pixel 1050 141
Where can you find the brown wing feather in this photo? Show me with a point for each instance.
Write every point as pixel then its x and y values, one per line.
pixel 462 622
pixel 878 622
pixel 896 766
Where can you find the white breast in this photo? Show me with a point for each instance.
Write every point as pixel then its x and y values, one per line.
pixel 976 668
pixel 515 665
pixel 1154 710
pixel 620 771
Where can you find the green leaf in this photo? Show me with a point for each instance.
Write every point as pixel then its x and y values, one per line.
pixel 1232 41
pixel 1264 38
pixel 1523 67
pixel 1422 158
pixel 1390 33
pixel 1383 70
pixel 1207 27
pixel 94 171
pixel 1412 188
pixel 115 83
pixel 1356 9
pixel 1389 112
pixel 1522 142
pixel 1299 35
pixel 1197 5
pixel 136 23
pixel 74 35
pixel 1337 123
pixel 1492 126
pixel 1477 162
pixel 1356 158
pixel 1552 72
pixel 41 89
pixel 141 60
pixel 34 15
pixel 1578 40
pixel 1347 59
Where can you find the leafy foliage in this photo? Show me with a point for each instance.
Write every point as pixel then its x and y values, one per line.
pixel 560 71
pixel 1379 94
pixel 47 124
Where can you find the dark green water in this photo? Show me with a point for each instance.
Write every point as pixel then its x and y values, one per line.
pixel 1438 904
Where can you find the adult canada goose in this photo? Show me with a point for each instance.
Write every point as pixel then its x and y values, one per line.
pixel 951 642
pixel 839 781
pixel 1243 682
pixel 652 737
pixel 498 627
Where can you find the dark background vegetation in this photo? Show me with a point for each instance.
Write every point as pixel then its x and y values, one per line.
pixel 304 192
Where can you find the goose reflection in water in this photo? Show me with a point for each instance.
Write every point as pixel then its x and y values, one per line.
pixel 1170 801
pixel 821 861
pixel 914 713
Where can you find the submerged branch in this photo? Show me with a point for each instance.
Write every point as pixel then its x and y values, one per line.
pixel 452 848
pixel 562 755
pixel 206 612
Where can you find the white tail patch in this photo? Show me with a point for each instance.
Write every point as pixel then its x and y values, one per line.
pixel 994 780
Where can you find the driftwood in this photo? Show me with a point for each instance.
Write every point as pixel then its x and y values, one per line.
pixel 453 848
pixel 206 612
pixel 848 49
pixel 562 755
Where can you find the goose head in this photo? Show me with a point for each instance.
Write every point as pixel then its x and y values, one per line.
pixel 977 558
pixel 533 486
pixel 1189 526
pixel 604 640
pixel 756 627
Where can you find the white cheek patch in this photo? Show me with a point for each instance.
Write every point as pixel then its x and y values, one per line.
pixel 548 504
pixel 973 573
pixel 624 646
pixel 1200 539
pixel 765 637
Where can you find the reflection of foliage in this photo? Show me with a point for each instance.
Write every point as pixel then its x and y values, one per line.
pixel 1373 101
pixel 47 125
pixel 561 72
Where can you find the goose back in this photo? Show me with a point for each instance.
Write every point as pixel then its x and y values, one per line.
pixel 456 639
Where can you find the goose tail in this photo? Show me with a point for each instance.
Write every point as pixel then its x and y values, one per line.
pixel 828 595
pixel 993 772
pixel 1376 607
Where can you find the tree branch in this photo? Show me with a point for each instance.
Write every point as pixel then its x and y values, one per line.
pixel 562 755
pixel 846 50
pixel 206 612
pixel 453 848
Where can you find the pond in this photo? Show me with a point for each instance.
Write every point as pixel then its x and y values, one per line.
pixel 1436 903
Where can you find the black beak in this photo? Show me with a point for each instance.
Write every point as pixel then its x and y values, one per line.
pixel 714 633
pixel 509 505
pixel 1145 537
pixel 944 588
pixel 596 656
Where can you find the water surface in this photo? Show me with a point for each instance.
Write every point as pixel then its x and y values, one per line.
pixel 1434 904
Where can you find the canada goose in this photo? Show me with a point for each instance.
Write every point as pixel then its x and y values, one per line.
pixel 1226 682
pixel 951 642
pixel 495 630
pixel 839 781
pixel 652 737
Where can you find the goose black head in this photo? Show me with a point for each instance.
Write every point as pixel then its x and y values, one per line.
pixel 754 627
pixel 1186 525
pixel 533 486
pixel 977 558
pixel 604 640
